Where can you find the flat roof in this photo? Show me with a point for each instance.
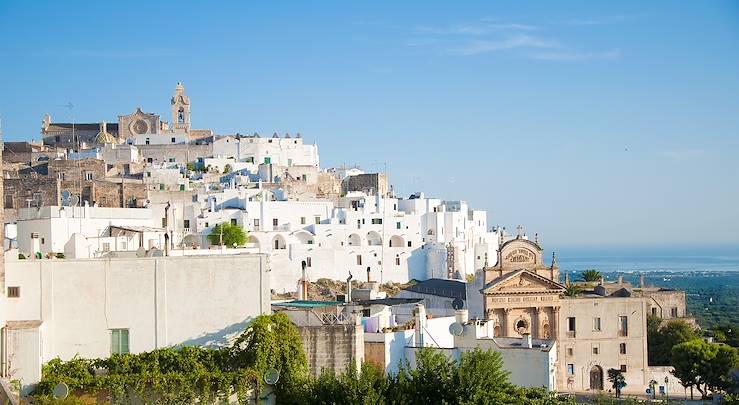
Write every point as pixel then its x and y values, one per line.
pixel 299 304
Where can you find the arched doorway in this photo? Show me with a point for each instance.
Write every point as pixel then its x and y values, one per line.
pixel 596 378
pixel 496 331
pixel 545 331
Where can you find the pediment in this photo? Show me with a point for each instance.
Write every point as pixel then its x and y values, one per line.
pixel 522 281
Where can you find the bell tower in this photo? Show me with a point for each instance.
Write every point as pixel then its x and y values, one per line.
pixel 180 109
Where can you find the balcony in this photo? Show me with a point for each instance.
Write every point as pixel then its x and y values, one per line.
pixel 571 334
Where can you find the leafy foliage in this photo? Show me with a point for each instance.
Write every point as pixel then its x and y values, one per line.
pixel 617 380
pixel 591 275
pixel 705 366
pixel 185 375
pixel 227 234
pixel 662 338
pixel 572 290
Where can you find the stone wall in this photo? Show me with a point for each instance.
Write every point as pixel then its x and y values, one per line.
pixel 34 191
pixel 376 183
pixel 181 153
pixel 332 347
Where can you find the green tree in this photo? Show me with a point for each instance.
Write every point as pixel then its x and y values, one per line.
pixel 591 275
pixel 481 378
pixel 273 341
pixel 572 290
pixel 661 338
pixel 617 379
pixel 705 366
pixel 227 234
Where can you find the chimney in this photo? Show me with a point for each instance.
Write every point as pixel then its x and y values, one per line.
pixel 304 281
pixel 420 325
pixel 349 288
pixel 620 279
pixel 567 278
pixel 527 342
pixel 462 316
pixel 642 284
pixel 602 280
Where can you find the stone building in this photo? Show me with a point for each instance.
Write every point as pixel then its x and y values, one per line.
pixel 139 127
pixel 601 328
pixel 370 183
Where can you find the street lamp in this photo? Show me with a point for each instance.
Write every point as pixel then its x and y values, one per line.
pixel 667 393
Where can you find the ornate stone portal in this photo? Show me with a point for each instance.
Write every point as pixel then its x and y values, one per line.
pixel 521 294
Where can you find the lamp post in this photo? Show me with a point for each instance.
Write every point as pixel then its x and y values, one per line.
pixel 667 392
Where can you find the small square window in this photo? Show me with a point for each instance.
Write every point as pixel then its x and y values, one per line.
pixel 173 140
pixel 14 292
pixel 622 348
pixel 623 368
pixel 596 350
pixel 308 262
pixel 119 341
pixel 318 220
pixel 302 220
pixel 570 351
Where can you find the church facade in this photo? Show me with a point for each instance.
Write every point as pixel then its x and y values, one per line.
pixel 603 327
pixel 138 128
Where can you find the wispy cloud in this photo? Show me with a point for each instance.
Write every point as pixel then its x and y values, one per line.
pixel 602 20
pixel 490 34
pixel 574 56
pixel 514 42
pixel 106 54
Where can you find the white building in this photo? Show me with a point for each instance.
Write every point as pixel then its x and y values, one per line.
pixel 531 363
pixel 94 308
pixel 286 151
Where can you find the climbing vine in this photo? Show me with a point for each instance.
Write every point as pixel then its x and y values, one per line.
pixel 187 374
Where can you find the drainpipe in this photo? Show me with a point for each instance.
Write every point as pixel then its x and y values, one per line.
pixel 349 288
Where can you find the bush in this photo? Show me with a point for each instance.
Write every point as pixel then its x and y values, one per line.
pixel 21 256
pixel 60 255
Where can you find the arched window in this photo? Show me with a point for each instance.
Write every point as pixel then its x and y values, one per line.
pixel 181 116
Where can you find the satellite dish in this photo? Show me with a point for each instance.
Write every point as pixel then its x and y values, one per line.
pixel 458 304
pixel 66 194
pixel 61 391
pixel 271 376
pixel 456 329
pixel 74 200
pixel 141 252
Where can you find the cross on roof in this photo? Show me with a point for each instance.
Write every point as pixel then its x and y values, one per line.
pixel 519 228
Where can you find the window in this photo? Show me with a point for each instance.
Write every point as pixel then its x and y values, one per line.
pixel 161 186
pixel 397 225
pixel 359 260
pixel 88 176
pixel 305 177
pixel 289 162
pixel 318 220
pixel 623 368
pixel 275 223
pixel 673 312
pixel 164 222
pixel 268 160
pixel 623 326
pixel 570 351
pixel 622 348
pixel 8 201
pixel 60 176
pixel 171 160
pixel 596 324
pixel 302 220
pixel 376 221
pixel 308 262
pixel 571 326
pixel 124 246
pixel 233 221
pixel 570 369
pixel 256 224
pixel 186 224
pixel 103 201
pixel 149 160
pixel 148 141
pixel 119 341
pixel 409 243
pixel 106 247
pixel 14 292
pixel 148 174
pixel 654 311
pixel 397 261
pixel 596 350
pixel 173 140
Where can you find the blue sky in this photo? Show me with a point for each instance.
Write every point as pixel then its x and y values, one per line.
pixel 592 123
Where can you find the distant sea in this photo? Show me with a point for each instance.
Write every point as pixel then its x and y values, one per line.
pixel 678 261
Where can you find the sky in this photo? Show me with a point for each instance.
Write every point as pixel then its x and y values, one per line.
pixel 597 125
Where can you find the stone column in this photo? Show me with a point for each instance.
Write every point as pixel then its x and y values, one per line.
pixel 554 324
pixel 505 329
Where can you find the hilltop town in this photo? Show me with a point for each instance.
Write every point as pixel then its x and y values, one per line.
pixel 143 234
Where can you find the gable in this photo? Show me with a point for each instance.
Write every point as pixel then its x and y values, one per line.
pixel 522 282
